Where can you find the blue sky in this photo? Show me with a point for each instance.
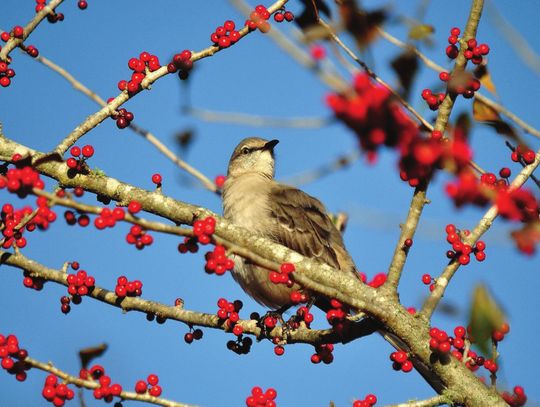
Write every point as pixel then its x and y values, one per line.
pixel 253 77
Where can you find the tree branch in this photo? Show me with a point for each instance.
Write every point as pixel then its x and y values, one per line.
pixel 28 29
pixel 151 77
pixel 436 67
pixel 482 227
pixel 91 385
pixel 191 318
pixel 432 402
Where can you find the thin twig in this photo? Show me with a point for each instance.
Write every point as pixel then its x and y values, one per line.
pixel 91 385
pixel 258 121
pixel 162 148
pixel 97 210
pixel 336 164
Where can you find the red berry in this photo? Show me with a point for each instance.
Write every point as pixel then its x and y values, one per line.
pixel 75 151
pixel 140 387
pixel 426 279
pixel 82 4
pixel 18 31
pixel 88 151
pixel 156 179
pixel 455 31
pixel 134 207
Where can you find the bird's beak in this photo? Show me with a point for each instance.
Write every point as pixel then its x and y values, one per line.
pixel 270 145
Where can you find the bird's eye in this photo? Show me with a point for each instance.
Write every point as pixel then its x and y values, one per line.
pixel 245 150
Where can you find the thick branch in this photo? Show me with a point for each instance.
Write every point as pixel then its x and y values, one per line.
pixel 432 402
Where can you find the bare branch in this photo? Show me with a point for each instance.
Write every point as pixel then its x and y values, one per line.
pixel 258 121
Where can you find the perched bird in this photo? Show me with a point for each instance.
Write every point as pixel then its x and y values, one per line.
pixel 282 213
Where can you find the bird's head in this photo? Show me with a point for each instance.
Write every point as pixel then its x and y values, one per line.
pixel 253 155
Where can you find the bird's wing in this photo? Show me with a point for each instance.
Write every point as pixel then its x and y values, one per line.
pixel 301 223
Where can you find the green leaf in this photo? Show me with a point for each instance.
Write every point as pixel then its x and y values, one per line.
pixel 485 317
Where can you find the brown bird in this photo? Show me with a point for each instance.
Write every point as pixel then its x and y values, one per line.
pixel 282 213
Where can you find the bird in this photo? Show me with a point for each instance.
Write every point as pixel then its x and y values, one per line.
pixel 282 213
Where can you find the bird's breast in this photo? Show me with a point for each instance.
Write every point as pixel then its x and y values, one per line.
pixel 245 202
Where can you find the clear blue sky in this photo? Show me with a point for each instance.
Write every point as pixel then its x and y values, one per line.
pixel 253 77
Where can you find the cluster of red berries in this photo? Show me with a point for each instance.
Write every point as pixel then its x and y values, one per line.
pixel 189 245
pixel 193 334
pixel 21 179
pixel 228 312
pixel 80 283
pixel 518 205
pixel 298 297
pixel 71 219
pixel 220 181
pixel 474 51
pixel 56 393
pixel 11 218
pixel 225 35
pixel 460 250
pixel 283 276
pixel 401 361
pixel 16 32
pixel 108 218
pixel 217 261
pixel 10 350
pixel 377 280
pixel 373 115
pixel 128 288
pixel 302 314
pixel 257 19
pixel 336 315
pixel 433 100
pixel 152 387
pixel 283 15
pixel 523 154
pixel 203 229
pixel 6 73
pixel 139 66
pixel 77 161
pixel 260 398
pixel 123 118
pixel 31 50
pixel 440 341
pixel 182 63
pixel 464 83
pixel 498 334
pixel 35 283
pixel 323 353
pixel 517 399
pixel 369 400
pixel 106 390
pixel 139 237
